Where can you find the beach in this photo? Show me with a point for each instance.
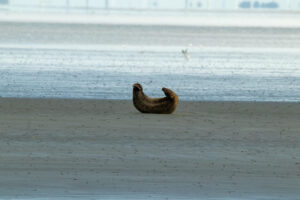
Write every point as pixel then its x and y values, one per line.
pixel 105 149
pixel 68 128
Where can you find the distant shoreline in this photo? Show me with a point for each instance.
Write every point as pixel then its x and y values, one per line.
pixel 179 18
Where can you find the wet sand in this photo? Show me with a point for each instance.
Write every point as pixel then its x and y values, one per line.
pixel 97 149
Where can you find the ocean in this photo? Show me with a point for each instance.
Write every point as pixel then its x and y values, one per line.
pixel 101 61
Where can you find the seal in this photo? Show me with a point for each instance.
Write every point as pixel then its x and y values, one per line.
pixel 145 104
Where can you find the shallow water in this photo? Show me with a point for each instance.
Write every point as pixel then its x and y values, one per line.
pixel 40 60
pixel 217 74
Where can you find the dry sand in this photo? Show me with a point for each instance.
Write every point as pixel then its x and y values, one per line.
pixel 94 149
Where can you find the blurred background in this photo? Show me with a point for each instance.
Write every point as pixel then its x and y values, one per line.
pixel 205 50
pixel 67 5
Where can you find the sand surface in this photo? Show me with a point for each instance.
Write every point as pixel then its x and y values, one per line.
pixel 95 149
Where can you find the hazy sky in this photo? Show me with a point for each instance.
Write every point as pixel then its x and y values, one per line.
pixel 165 4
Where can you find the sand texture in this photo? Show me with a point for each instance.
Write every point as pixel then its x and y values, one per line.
pixel 94 149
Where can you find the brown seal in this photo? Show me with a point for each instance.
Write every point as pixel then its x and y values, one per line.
pixel 145 104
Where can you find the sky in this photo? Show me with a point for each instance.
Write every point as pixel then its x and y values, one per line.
pixel 163 4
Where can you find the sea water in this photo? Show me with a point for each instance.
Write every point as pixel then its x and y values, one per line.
pixel 108 72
